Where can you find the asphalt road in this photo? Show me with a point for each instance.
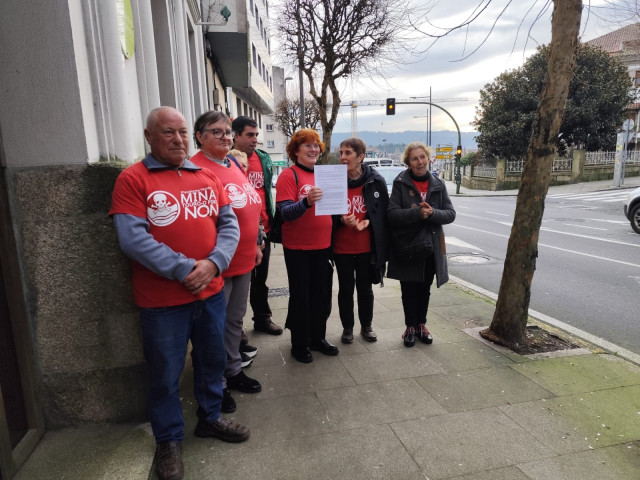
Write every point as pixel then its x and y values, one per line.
pixel 588 268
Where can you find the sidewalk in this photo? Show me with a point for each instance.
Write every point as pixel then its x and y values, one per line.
pixel 457 409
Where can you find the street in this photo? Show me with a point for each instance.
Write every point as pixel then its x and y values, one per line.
pixel 588 267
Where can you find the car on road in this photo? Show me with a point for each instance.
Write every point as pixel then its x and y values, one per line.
pixel 632 209
pixel 389 174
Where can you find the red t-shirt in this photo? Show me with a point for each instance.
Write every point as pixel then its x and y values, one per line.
pixel 246 205
pixel 423 188
pixel 182 210
pixel 308 232
pixel 255 174
pixel 347 239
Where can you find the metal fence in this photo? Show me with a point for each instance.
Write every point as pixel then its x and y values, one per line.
pixel 595 159
pixel 484 172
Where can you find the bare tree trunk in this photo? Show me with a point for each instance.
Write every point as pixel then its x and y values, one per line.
pixel 512 308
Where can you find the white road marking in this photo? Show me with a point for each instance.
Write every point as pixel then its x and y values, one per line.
pixel 598 257
pixel 500 214
pixel 584 226
pixel 460 243
pixel 545 229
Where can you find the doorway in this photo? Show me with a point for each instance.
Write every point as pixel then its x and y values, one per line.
pixel 21 419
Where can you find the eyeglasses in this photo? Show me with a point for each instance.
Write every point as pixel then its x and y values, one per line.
pixel 218 134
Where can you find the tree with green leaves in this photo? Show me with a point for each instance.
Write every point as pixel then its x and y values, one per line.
pixel 598 93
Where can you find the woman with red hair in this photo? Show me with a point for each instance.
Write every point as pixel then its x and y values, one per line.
pixel 306 240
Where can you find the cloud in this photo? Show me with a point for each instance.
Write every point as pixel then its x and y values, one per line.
pixel 452 68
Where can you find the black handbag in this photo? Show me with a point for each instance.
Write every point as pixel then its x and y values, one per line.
pixel 412 244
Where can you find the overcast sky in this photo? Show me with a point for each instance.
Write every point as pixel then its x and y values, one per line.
pixel 449 75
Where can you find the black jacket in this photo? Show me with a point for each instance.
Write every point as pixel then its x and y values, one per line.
pixel 404 211
pixel 376 199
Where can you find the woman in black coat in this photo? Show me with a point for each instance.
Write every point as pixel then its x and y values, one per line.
pixel 418 207
pixel 360 240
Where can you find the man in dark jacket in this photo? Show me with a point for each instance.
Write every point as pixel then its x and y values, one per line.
pixel 260 175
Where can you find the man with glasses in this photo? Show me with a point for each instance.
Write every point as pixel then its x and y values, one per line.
pixel 260 175
pixel 175 222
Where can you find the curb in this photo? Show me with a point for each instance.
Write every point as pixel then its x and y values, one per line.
pixel 541 317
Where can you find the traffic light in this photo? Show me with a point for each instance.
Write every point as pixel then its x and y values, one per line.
pixel 391 106
pixel 459 151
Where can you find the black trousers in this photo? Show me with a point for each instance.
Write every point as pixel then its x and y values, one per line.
pixel 354 272
pixel 415 295
pixel 310 279
pixel 259 292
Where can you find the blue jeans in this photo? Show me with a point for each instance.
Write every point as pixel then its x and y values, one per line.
pixel 165 335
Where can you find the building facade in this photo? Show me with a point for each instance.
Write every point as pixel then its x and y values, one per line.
pixel 79 78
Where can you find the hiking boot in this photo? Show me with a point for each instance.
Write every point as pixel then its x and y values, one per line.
pixel 168 460
pixel 368 334
pixel 347 335
pixel 409 336
pixel 424 335
pixel 222 429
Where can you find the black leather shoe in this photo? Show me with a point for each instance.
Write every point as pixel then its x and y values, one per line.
pixel 222 429
pixel 242 383
pixel 168 460
pixel 228 403
pixel 302 355
pixel 324 347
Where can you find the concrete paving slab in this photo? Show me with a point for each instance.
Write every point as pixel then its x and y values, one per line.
pixel 506 473
pixel 443 331
pixel 463 443
pixel 621 462
pixel 294 378
pixel 490 387
pixel 377 403
pixel 469 355
pixel 466 315
pixel 608 417
pixel 389 365
pixel 362 454
pixel 582 373
pixel 542 420
pixel 123 451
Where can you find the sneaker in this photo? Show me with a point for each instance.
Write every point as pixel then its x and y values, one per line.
pixel 228 403
pixel 424 335
pixel 267 326
pixel 368 334
pixel 347 335
pixel 248 350
pixel 222 429
pixel 168 460
pixel 409 336
pixel 242 383
pixel 245 360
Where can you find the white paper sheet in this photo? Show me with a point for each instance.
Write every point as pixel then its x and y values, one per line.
pixel 332 179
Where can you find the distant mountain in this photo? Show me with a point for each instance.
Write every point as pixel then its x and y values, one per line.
pixel 375 139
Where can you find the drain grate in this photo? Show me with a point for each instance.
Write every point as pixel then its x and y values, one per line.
pixel 279 292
